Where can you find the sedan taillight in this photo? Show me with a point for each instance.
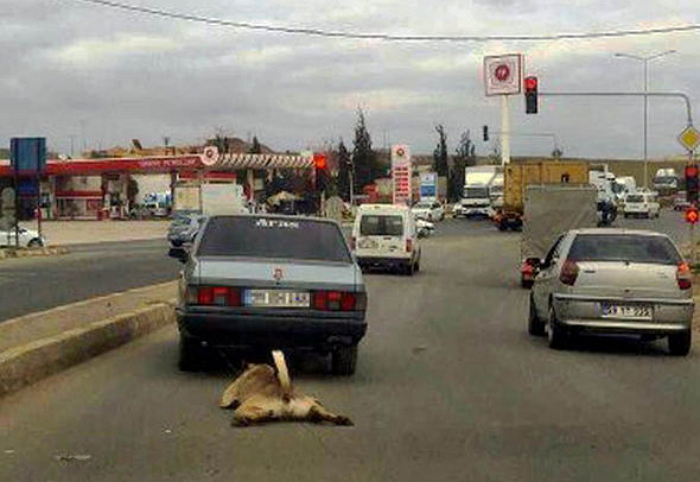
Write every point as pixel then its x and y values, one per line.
pixel 684 276
pixel 339 301
pixel 569 272
pixel 214 296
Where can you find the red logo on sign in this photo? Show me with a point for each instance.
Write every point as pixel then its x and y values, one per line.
pixel 502 72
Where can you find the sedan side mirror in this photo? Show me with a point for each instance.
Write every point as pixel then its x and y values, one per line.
pixel 179 253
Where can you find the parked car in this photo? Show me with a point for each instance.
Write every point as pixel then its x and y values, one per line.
pixel 429 210
pixel 613 281
pixel 385 236
pixel 680 201
pixel 27 238
pixel 270 282
pixel 642 203
pixel 184 227
pixel 424 228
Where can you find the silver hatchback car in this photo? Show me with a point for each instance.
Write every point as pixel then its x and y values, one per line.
pixel 613 281
pixel 270 282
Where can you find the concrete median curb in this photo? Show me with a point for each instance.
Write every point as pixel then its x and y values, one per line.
pixel 8 253
pixel 23 365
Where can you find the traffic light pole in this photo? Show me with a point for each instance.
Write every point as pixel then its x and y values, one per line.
pixel 505 131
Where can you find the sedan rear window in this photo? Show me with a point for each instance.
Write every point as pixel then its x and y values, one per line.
pixel 635 199
pixel 624 247
pixel 270 237
pixel 377 225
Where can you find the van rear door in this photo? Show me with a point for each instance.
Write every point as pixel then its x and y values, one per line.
pixel 381 235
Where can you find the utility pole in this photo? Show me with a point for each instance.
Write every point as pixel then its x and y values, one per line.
pixel 645 61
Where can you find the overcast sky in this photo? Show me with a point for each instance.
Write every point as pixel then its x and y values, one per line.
pixel 105 76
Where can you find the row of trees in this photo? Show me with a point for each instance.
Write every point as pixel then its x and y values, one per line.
pixel 452 167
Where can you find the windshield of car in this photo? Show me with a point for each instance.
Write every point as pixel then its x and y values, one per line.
pixel 381 225
pixel 635 198
pixel 269 237
pixel 473 192
pixel 637 248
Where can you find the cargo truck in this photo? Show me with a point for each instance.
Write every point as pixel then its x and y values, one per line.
pixel 518 176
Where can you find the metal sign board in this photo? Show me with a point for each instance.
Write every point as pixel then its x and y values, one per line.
pixel 210 155
pixel 28 155
pixel 428 186
pixel 503 74
pixel 401 174
pixel 689 138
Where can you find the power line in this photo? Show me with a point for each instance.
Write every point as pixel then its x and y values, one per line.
pixel 389 37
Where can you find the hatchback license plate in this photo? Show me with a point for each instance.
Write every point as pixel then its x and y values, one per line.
pixel 636 312
pixel 277 298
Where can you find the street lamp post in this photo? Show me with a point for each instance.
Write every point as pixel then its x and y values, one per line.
pixel 645 61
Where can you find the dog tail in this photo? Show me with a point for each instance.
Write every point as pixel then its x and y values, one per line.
pixel 282 372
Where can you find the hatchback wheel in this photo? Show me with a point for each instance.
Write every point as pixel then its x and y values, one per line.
pixel 535 326
pixel 344 360
pixel 679 344
pixel 556 334
pixel 35 243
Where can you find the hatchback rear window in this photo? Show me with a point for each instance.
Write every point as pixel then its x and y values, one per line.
pixel 381 225
pixel 624 247
pixel 269 237
pixel 635 199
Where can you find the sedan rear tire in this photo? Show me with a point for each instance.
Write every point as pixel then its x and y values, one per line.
pixel 679 344
pixel 344 360
pixel 556 334
pixel 191 355
pixel 535 326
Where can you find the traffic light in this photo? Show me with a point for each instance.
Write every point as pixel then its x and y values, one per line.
pixel 531 95
pixel 692 184
pixel 691 215
pixel 486 133
pixel 321 171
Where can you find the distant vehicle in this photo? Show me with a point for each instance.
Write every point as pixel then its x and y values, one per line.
pixel 666 181
pixel 428 210
pixel 575 208
pixel 624 185
pixel 27 238
pixel 476 196
pixel 385 236
pixel 183 228
pixel 270 282
pixel 519 176
pixel 680 201
pixel 613 281
pixel 210 199
pixel 158 204
pixel 424 228
pixel 642 203
pixel 606 200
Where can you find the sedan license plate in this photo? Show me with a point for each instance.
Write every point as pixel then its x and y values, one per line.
pixel 633 312
pixel 277 298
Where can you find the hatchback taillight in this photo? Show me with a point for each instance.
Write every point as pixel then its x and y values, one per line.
pixel 569 272
pixel 214 296
pixel 338 301
pixel 684 276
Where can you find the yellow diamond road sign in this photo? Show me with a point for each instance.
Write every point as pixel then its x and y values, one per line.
pixel 689 138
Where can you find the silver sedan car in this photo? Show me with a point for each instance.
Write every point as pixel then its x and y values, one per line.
pixel 613 281
pixel 270 282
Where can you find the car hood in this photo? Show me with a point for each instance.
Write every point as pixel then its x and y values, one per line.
pixel 238 271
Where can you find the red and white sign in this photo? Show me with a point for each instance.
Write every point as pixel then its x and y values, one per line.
pixel 401 174
pixel 210 155
pixel 503 74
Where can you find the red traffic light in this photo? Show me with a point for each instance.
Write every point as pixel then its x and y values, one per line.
pixel 530 84
pixel 320 161
pixel 692 215
pixel 691 171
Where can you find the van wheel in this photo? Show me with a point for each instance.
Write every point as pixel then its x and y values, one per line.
pixel 679 345
pixel 409 269
pixel 35 243
pixel 417 267
pixel 344 360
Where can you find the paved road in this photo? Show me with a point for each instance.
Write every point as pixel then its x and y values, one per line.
pixel 35 284
pixel 449 387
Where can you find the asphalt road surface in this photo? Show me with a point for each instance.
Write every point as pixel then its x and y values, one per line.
pixel 35 284
pixel 449 387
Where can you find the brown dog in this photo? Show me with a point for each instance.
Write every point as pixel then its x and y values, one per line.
pixel 260 394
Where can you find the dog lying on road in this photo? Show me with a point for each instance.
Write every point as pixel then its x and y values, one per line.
pixel 261 394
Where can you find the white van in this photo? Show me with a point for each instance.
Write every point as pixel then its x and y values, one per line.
pixel 642 203
pixel 384 235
